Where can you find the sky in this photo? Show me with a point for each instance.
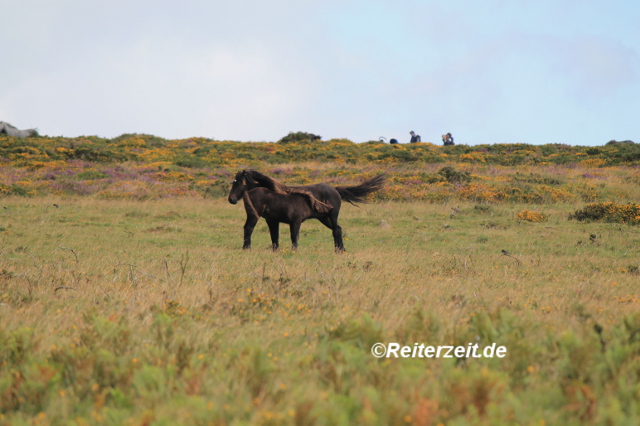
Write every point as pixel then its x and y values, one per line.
pixel 492 71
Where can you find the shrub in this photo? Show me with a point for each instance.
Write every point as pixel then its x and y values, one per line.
pixel 299 136
pixel 615 142
pixel 191 162
pixel 454 176
pixel 609 212
pixel 532 216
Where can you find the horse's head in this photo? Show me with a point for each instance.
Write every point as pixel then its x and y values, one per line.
pixel 238 187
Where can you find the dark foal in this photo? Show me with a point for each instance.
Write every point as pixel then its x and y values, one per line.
pixel 275 208
pixel 265 197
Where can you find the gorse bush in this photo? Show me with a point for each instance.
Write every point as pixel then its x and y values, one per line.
pixel 532 216
pixel 609 212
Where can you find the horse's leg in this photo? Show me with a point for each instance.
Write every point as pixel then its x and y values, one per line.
pixel 295 233
pixel 331 222
pixel 274 230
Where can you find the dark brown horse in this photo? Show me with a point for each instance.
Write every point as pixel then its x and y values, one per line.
pixel 276 202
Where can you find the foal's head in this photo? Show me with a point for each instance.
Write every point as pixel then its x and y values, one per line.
pixel 238 187
pixel 246 180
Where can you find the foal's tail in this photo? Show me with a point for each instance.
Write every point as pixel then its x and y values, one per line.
pixel 316 204
pixel 356 194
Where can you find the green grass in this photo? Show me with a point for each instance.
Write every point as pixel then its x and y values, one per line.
pixel 148 312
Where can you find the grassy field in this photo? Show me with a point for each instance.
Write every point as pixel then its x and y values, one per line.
pixel 148 312
pixel 125 297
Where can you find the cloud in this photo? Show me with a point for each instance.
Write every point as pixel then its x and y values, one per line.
pixel 221 92
pixel 251 70
pixel 221 80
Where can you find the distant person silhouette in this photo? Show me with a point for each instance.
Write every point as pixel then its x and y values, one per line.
pixel 447 139
pixel 414 138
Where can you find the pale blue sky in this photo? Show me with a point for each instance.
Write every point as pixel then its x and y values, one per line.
pixel 496 71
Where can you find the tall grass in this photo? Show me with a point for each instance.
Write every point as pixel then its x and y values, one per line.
pixel 140 312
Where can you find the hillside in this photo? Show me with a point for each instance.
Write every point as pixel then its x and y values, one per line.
pixel 147 167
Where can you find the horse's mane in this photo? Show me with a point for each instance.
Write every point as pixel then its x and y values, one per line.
pixel 266 182
pixel 280 188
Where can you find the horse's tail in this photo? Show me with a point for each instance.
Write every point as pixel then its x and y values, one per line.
pixel 356 194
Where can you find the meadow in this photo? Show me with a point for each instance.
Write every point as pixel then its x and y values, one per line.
pixel 125 297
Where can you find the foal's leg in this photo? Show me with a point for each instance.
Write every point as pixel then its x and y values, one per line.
pixel 332 223
pixel 248 230
pixel 252 219
pixel 295 233
pixel 274 230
